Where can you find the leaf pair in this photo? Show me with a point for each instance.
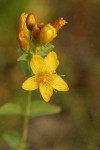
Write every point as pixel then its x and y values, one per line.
pixel 38 108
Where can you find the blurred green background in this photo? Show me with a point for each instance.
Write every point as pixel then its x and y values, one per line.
pixel 77 127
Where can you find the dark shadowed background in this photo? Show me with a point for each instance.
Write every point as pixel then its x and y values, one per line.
pixel 77 127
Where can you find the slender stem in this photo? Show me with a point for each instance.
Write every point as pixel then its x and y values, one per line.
pixel 22 144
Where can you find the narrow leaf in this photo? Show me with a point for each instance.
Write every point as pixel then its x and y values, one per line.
pixel 10 109
pixel 39 108
pixel 24 64
pixel 23 57
pixel 44 49
pixel 12 138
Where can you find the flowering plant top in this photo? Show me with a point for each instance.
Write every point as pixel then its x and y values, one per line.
pixel 35 42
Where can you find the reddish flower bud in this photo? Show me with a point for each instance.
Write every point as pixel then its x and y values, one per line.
pixel 24 33
pixel 30 21
pixel 59 23
pixel 22 21
pixel 36 30
pixel 23 41
pixel 22 24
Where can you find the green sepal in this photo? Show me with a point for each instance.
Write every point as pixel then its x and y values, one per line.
pixel 12 138
pixel 11 109
pixel 39 108
pixel 43 50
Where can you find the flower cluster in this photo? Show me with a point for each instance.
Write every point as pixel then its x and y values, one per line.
pixel 44 68
pixel 38 33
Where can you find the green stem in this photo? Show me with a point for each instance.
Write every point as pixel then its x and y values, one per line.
pixel 22 144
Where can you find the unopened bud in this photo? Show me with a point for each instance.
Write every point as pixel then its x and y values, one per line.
pixel 23 41
pixel 36 30
pixel 47 34
pixel 30 21
pixel 22 21
pixel 40 25
pixel 59 23
pixel 22 24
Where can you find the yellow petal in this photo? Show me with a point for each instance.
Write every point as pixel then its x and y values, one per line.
pixel 51 61
pixel 58 83
pixel 37 64
pixel 30 84
pixel 46 91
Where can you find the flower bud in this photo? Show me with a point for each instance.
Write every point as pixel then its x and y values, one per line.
pixel 36 31
pixel 22 21
pixel 59 23
pixel 23 41
pixel 30 21
pixel 41 25
pixel 22 24
pixel 47 34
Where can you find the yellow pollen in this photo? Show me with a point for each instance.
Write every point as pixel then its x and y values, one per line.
pixel 44 77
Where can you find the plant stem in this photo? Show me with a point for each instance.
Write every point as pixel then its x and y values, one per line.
pixel 22 144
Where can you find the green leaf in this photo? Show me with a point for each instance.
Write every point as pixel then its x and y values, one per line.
pixel 24 64
pixel 39 108
pixel 44 49
pixel 23 57
pixel 12 138
pixel 10 109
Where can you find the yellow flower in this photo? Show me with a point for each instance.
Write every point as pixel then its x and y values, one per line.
pixel 45 77
pixel 47 34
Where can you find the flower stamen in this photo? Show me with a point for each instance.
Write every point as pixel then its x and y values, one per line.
pixel 44 77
